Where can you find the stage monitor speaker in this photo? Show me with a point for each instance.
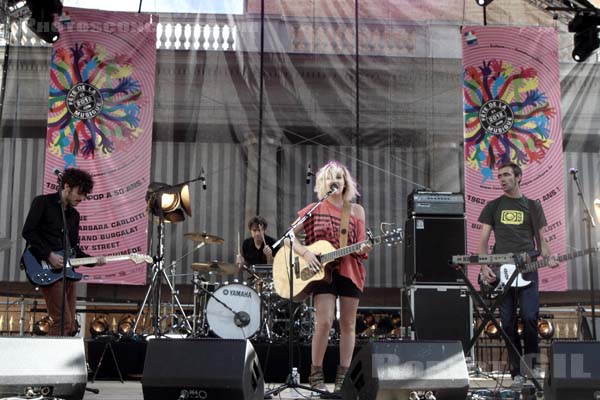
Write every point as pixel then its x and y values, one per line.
pixel 42 367
pixel 202 369
pixel 574 371
pixel 396 369
pixel 429 242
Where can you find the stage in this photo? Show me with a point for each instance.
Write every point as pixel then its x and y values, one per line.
pixel 132 390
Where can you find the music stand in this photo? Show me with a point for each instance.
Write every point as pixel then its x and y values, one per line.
pixel 294 269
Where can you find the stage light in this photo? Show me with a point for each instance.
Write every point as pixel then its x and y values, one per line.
pixel 545 329
pixel 597 207
pixel 520 328
pixel 585 43
pixel 41 21
pixel 172 202
pixel 99 326
pixel 42 327
pixel 483 3
pixel 125 325
pixel 585 38
pixel 491 331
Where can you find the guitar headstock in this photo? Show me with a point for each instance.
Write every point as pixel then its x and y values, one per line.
pixel 393 236
pixel 140 258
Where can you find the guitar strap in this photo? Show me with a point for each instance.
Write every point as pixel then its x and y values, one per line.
pixel 535 223
pixel 344 224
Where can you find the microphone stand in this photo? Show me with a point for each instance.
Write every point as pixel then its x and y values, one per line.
pixel 589 220
pixel 294 267
pixel 66 255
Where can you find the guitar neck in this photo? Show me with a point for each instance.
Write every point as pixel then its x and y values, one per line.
pixel 344 251
pixel 535 265
pixel 93 260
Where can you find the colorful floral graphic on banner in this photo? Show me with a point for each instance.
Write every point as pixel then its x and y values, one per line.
pixel 93 107
pixel 507 116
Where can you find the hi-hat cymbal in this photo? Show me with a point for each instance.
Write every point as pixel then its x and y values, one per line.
pixel 5 243
pixel 216 267
pixel 204 237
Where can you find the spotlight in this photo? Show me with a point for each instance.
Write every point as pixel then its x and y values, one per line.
pixel 42 327
pixel 545 329
pixel 99 326
pixel 41 21
pixel 483 3
pixel 125 325
pixel 172 202
pixel 491 331
pixel 585 43
pixel 585 40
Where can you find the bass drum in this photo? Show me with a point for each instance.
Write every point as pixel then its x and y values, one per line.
pixel 233 312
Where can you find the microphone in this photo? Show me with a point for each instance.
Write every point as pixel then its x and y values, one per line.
pixel 241 319
pixel 309 173
pixel 203 179
pixel 57 172
pixel 333 188
pixel 573 171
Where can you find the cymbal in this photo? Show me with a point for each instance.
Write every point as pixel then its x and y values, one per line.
pixel 216 266
pixel 203 237
pixel 5 243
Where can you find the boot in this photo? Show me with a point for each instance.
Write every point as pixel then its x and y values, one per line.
pixel 316 379
pixel 339 377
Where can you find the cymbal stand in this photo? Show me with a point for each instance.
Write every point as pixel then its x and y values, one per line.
pixel 174 293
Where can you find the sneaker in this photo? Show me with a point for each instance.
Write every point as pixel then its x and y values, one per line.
pixel 518 381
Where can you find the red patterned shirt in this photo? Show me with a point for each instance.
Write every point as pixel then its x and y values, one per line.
pixel 325 225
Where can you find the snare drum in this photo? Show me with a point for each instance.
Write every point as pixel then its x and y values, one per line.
pixel 241 323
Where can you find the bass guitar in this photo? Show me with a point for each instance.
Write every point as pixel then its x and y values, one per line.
pixel 505 271
pixel 304 276
pixel 41 273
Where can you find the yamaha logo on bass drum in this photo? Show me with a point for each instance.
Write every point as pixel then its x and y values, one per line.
pixel 237 293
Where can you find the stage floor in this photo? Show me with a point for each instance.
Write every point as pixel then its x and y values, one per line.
pixel 132 390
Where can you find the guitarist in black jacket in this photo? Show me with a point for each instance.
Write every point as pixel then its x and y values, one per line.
pixel 518 223
pixel 43 231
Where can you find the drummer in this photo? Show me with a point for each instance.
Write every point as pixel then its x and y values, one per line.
pixel 257 248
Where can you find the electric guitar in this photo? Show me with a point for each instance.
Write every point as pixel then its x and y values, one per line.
pixel 304 276
pixel 41 273
pixel 505 271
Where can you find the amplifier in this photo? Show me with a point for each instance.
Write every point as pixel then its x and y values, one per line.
pixel 435 203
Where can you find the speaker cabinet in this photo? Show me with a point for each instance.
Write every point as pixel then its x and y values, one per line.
pixel 431 321
pixel 48 367
pixel 574 371
pixel 395 369
pixel 202 369
pixel 429 242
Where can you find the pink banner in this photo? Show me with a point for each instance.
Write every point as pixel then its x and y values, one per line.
pixel 100 116
pixel 511 97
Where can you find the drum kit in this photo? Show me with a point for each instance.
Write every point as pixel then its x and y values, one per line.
pixel 241 310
